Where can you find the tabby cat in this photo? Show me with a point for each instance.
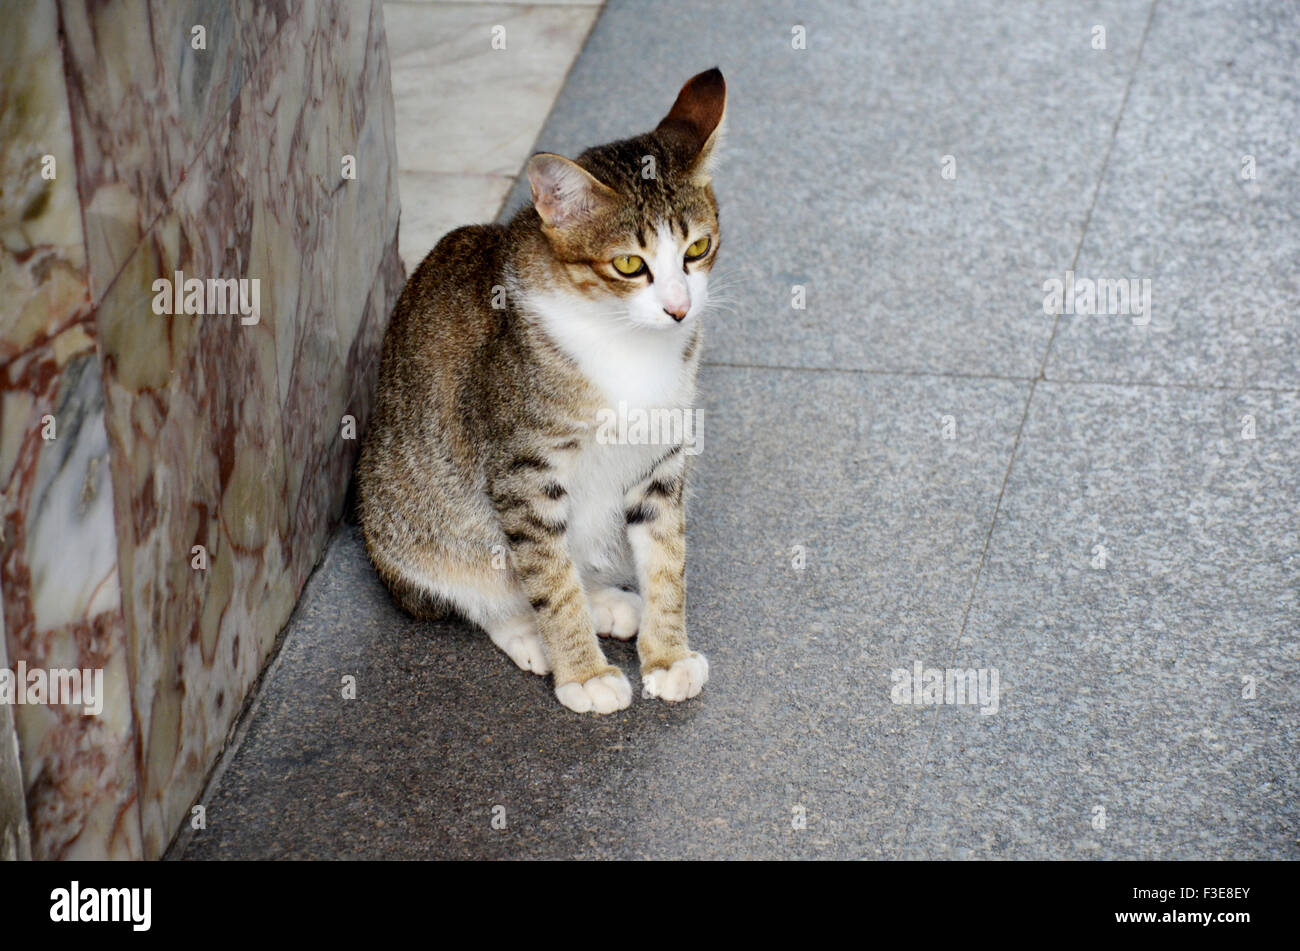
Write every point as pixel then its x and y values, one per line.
pixel 484 488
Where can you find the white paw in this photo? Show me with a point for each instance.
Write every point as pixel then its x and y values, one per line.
pixel 617 613
pixel 683 680
pixel 519 639
pixel 603 694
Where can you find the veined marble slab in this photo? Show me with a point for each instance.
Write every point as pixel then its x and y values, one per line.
pixel 58 545
pixel 229 435
pixel 15 835
pixel 145 108
pixel 465 105
pixel 460 150
pixel 128 438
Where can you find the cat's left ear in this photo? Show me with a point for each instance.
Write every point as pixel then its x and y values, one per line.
pixel 695 120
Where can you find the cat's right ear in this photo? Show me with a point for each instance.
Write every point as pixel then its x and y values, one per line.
pixel 564 192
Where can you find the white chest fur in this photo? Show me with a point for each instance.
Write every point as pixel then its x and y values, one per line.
pixel 638 365
pixel 637 370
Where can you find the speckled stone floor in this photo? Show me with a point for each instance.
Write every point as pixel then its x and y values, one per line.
pixel 919 468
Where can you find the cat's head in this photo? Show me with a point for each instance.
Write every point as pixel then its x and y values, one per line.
pixel 634 223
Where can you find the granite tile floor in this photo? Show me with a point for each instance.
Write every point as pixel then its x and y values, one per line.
pixel 919 469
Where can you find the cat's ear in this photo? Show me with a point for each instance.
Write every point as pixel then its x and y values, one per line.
pixel 695 120
pixel 563 191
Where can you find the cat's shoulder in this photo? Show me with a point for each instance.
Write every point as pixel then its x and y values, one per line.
pixel 472 250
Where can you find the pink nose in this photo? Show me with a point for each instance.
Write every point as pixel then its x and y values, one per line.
pixel 677 311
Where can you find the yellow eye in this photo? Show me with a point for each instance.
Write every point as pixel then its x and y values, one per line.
pixel 698 249
pixel 629 265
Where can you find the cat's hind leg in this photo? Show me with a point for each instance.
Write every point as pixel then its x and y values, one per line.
pixel 416 598
pixel 494 601
pixel 517 636
pixel 488 597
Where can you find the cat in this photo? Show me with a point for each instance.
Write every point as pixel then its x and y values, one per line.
pixel 483 487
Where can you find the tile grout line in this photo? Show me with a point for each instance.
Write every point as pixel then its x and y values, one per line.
pixel 1221 387
pixel 1033 386
pixel 1101 176
pixel 953 375
pixel 864 371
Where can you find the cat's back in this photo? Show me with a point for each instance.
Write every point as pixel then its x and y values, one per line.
pixel 442 325
pixel 442 329
pixel 449 296
pixel 420 459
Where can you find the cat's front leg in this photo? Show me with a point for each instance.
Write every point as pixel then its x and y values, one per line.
pixel 656 530
pixel 532 517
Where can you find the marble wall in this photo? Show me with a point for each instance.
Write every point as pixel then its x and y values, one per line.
pixel 200 459
pixel 15 837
